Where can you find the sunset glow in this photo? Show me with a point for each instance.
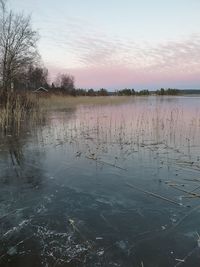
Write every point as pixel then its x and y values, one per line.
pixel 117 44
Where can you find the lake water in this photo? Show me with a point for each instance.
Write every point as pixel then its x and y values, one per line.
pixel 104 185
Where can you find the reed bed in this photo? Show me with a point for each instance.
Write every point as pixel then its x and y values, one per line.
pixel 61 102
pixel 168 130
pixel 15 109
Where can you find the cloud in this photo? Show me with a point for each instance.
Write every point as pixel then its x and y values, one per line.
pixel 100 60
pixel 120 77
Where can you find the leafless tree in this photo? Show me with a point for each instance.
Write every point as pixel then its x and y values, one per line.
pixel 36 77
pixel 17 44
pixel 3 4
pixel 65 82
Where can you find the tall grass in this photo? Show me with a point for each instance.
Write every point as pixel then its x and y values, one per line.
pixel 15 108
pixel 59 102
pixel 153 124
pixel 18 108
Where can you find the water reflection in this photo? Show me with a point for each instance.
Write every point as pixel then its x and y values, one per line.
pixel 66 198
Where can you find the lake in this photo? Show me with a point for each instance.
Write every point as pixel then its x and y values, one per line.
pixel 104 185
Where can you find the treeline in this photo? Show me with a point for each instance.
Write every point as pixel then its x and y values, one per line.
pixel 100 92
pixel 162 91
pixel 64 84
pixel 129 92
pixel 76 91
pixel 168 91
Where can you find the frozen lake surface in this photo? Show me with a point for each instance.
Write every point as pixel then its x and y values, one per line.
pixel 104 185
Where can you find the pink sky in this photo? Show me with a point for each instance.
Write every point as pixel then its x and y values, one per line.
pixel 119 43
pixel 100 61
pixel 170 64
pixel 121 77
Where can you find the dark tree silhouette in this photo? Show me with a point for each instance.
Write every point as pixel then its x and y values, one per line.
pixel 65 82
pixel 17 45
pixel 37 77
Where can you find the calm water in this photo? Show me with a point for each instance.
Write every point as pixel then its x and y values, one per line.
pixel 104 185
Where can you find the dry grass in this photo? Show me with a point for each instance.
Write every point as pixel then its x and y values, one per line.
pixel 14 110
pixel 60 102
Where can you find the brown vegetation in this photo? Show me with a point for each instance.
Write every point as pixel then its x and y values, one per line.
pixel 15 109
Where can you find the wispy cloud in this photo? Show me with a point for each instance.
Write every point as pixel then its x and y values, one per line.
pixel 119 43
pixel 98 59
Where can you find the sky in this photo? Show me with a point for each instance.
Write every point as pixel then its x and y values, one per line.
pixel 114 44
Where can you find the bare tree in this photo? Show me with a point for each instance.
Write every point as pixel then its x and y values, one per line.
pixel 65 82
pixel 17 45
pixel 36 77
pixel 3 5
